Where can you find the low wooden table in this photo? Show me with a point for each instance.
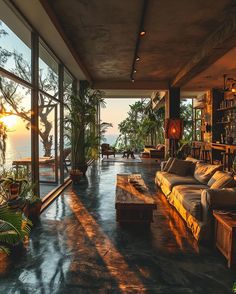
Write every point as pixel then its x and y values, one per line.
pixel 225 235
pixel 133 202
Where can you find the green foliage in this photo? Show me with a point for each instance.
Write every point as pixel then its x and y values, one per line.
pixel 81 123
pixel 142 123
pixel 17 176
pixel 234 288
pixel 14 227
pixel 186 113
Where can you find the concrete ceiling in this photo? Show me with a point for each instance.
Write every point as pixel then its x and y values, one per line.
pixel 180 42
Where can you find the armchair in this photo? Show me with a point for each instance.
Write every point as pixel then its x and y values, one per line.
pixel 107 150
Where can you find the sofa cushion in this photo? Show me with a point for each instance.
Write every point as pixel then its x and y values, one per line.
pixel 203 171
pixel 170 180
pixel 168 164
pixel 227 181
pixel 220 180
pixel 180 167
pixel 190 197
pixel 194 160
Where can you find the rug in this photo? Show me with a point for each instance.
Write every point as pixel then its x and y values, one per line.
pixel 124 160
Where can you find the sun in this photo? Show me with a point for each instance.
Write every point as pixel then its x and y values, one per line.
pixel 10 121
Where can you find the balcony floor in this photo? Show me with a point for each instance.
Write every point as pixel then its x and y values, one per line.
pixel 79 248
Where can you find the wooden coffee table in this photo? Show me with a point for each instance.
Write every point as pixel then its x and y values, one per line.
pixel 225 235
pixel 133 201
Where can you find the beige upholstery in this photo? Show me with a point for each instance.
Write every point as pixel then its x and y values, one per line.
pixel 170 180
pixel 190 197
pixel 195 201
pixel 221 180
pixel 217 199
pixel 168 164
pixel 180 167
pixel 203 171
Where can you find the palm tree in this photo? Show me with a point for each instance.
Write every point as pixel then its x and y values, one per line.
pixel 80 124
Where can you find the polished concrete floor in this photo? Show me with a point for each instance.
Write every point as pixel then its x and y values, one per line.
pixel 79 248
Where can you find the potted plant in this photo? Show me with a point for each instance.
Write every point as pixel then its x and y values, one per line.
pixel 82 115
pixel 17 192
pixel 14 228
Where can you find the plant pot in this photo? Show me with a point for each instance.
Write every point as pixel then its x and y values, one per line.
pixel 83 168
pixel 32 211
pixel 14 190
pixel 75 176
pixel 230 140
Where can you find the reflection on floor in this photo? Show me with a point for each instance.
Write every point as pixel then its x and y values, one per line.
pixel 79 248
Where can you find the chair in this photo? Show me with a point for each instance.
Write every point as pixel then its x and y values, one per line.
pixel 107 150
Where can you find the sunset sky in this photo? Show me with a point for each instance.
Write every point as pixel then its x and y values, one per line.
pixel 116 110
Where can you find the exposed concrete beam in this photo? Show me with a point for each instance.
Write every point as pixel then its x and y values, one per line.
pixel 218 43
pixel 128 85
pixel 54 20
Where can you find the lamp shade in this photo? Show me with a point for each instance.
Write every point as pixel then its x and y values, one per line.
pixel 173 128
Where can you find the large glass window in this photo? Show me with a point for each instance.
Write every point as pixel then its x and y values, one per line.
pixel 16 115
pixel 67 91
pixel 186 113
pixel 198 124
pixel 16 109
pixel 15 44
pixel 48 72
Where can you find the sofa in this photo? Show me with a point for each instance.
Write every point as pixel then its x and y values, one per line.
pixel 195 189
pixel 157 151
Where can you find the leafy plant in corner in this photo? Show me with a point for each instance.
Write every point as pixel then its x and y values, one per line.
pixel 80 123
pixel 14 228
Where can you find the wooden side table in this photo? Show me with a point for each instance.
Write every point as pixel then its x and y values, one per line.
pixel 225 235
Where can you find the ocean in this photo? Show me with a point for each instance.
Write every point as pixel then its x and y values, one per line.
pixel 110 139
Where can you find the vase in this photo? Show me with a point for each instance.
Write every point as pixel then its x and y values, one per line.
pixel 75 176
pixel 230 140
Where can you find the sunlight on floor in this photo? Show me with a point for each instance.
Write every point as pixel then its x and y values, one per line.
pixel 108 252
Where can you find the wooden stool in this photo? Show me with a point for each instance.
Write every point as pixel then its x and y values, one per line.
pixel 195 152
pixel 228 159
pixel 206 155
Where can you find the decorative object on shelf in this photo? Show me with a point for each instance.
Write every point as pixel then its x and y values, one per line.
pixel 229 84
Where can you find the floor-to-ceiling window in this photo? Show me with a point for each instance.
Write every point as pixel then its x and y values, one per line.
pixel 21 97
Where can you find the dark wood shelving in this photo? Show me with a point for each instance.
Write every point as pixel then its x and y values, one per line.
pixel 227 108
pixel 224 122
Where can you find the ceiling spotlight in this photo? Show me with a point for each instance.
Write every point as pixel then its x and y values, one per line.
pixel 134 71
pixel 142 33
pixel 137 58
pixel 132 80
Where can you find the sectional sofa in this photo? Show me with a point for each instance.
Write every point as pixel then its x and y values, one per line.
pixel 155 151
pixel 195 189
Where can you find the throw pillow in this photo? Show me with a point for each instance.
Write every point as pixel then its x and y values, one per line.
pixel 180 167
pixel 203 171
pixel 189 158
pixel 216 177
pixel 168 164
pixel 221 180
